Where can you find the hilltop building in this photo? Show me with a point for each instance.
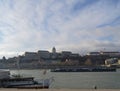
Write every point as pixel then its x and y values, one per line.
pixel 66 53
pixel 112 53
pixel 30 56
pixel 46 55
pixel 43 54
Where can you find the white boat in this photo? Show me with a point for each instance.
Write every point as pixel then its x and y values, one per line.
pixel 8 81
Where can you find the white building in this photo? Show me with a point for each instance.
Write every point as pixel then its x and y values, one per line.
pixel 111 61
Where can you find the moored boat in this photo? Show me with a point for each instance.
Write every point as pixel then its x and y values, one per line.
pixel 7 81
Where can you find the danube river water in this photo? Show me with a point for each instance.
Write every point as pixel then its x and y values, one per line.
pixel 76 80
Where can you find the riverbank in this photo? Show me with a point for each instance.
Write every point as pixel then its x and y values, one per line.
pixel 2 89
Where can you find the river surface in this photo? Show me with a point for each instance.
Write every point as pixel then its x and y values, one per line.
pixel 76 80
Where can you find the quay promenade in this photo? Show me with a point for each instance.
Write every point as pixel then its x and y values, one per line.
pixel 2 89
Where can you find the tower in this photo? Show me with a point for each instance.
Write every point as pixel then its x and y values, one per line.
pixel 53 50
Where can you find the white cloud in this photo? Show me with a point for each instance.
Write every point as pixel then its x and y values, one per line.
pixel 30 25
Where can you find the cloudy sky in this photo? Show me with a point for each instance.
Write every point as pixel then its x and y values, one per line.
pixel 74 25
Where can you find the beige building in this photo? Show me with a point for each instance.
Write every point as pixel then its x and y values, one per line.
pixel 119 61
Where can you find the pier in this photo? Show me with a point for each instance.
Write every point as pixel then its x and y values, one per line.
pixel 59 89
